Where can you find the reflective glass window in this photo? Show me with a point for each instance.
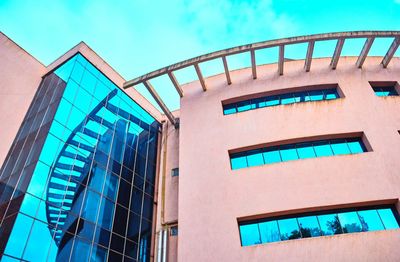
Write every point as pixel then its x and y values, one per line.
pixel 243 106
pixel 288 153
pixel 72 191
pixel 388 218
pixel 272 155
pixel 309 226
pixel 322 148
pixel 316 95
pixel 350 222
pixel 238 162
pixel 370 220
pixel 287 99
pixel 330 224
pixel 255 158
pixel 250 235
pixel 289 229
pixel 19 236
pixel 269 231
pixel 230 109
pixel 385 91
pixel 39 242
pixel 272 101
pixel 340 147
pixel 305 150
pixel 321 223
pixel 355 146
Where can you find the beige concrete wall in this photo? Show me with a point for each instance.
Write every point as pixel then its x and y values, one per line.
pixel 212 196
pixel 20 75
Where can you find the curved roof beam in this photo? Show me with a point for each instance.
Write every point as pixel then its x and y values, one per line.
pixel 252 48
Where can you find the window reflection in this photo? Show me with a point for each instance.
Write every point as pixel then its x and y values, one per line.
pixel 309 226
pixel 72 194
pixel 283 99
pixel 269 232
pixel 296 151
pixel 318 224
pixel 250 234
pixel 289 229
pixel 350 222
pixel 370 220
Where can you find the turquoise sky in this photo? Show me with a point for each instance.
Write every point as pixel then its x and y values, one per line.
pixel 138 36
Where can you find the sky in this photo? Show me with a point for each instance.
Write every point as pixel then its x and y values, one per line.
pixel 139 36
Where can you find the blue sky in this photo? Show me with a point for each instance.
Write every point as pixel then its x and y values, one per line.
pixel 138 36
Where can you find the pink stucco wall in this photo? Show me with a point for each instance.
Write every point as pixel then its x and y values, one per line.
pixel 212 196
pixel 168 187
pixel 20 76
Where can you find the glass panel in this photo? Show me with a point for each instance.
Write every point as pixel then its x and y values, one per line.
pixel 316 95
pixel 250 234
pixel 98 254
pixel 229 109
pixel 238 162
pixel 330 224
pixel 331 94
pixel 243 106
pixel 255 158
pixel 385 91
pixel 106 213
pixel 39 242
pixel 289 229
pixel 288 153
pixel 272 101
pixel 269 231
pixel 29 205
pixel 19 235
pixel 111 186
pixel 90 209
pixel 350 222
pixel 340 147
pixel 272 156
pixel 309 226
pixel 322 148
pixel 388 218
pixel 355 147
pixel 259 102
pixel 305 150
pixel 370 220
pixel 287 99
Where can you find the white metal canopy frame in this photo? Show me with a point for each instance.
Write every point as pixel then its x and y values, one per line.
pixel 252 48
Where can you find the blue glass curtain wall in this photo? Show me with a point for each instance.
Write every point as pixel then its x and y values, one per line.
pixel 282 99
pixel 283 153
pixel 318 224
pixel 90 160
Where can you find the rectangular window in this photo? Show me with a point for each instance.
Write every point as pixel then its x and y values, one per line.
pixel 315 224
pixel 288 152
pixel 282 99
pixel 385 88
pixel 175 172
pixel 173 231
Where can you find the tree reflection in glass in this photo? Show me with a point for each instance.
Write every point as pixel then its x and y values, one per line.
pixel 289 229
pixel 330 224
pixel 350 222
pixel 309 226
pixel 269 231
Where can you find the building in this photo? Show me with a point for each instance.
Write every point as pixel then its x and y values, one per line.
pixel 291 161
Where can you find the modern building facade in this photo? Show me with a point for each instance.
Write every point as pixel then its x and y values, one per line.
pixel 290 161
